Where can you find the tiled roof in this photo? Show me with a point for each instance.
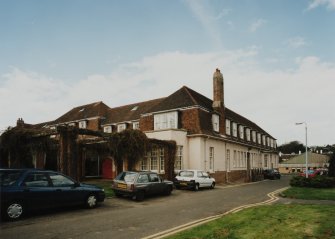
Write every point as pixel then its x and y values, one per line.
pixel 97 109
pixel 130 112
pixel 312 158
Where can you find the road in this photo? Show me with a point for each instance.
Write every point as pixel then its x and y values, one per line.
pixel 124 218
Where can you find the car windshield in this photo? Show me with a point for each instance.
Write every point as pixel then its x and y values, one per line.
pixel 186 174
pixel 128 177
pixel 8 178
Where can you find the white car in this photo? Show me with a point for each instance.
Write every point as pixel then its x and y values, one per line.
pixel 193 179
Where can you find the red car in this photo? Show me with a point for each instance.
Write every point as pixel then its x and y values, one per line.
pixel 313 173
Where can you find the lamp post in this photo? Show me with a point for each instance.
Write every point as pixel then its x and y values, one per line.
pixel 306 157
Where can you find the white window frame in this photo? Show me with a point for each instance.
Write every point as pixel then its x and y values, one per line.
pixel 166 120
pixel 179 158
pixel 211 159
pixel 82 124
pixel 259 138
pixel 161 159
pixel 216 122
pixel 228 128
pixel 121 127
pixel 253 136
pixel 247 131
pixel 263 140
pixel 108 129
pixel 241 131
pixel 136 125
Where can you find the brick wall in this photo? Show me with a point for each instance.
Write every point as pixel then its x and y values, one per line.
pixel 147 123
pixel 190 120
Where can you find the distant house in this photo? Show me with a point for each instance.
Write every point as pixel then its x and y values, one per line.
pixel 209 136
pixel 298 163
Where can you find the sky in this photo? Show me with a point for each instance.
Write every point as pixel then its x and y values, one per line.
pixel 277 58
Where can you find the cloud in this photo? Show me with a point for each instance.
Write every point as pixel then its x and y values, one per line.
pixel 257 24
pixel 275 99
pixel 330 4
pixel 296 42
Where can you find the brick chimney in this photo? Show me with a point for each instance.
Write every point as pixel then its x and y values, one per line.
pixel 218 96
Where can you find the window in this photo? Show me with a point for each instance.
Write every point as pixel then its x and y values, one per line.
pixel 267 141
pixel 166 121
pixel 161 159
pixel 253 136
pixel 143 178
pixel 136 125
pixel 72 124
pixel 36 180
pixel 83 124
pixel 234 129
pixel 263 139
pixel 154 177
pixel 259 138
pixel 211 158
pixel 121 127
pixel 179 158
pixel 265 160
pixel 241 131
pixel 247 131
pixel 108 129
pixel 144 164
pixel 154 160
pixel 216 122
pixel 59 180
pixel 234 160
pixel 228 127
pixel 228 159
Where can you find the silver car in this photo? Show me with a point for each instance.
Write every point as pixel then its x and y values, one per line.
pixel 194 179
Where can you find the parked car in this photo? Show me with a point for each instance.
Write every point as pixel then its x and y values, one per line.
pixel 23 190
pixel 138 185
pixel 194 179
pixel 271 174
pixel 313 173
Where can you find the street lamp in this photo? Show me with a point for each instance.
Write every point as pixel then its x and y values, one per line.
pixel 306 159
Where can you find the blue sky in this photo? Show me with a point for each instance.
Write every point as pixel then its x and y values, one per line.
pixel 277 58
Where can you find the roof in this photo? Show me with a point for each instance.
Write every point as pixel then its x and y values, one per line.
pixel 312 158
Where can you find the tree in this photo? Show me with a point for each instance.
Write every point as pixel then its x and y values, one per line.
pixel 292 147
pixel 331 169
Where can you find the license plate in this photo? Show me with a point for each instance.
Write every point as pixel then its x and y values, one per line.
pixel 183 183
pixel 122 186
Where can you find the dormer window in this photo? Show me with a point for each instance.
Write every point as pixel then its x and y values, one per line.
pixel 253 135
pixel 216 122
pixel 72 124
pixel 228 129
pixel 234 129
pixel 136 125
pixel 259 138
pixel 166 121
pixel 263 139
pixel 241 131
pixel 121 127
pixel 247 131
pixel 82 124
pixel 108 129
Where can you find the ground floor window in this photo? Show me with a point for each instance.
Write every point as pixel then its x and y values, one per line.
pixel 154 160
pixel 228 159
pixel 93 165
pixel 211 158
pixel 178 165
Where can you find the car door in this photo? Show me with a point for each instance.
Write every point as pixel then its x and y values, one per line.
pixel 37 190
pixel 67 191
pixel 156 185
pixel 207 179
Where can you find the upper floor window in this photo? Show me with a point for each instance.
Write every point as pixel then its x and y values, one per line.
pixel 259 138
pixel 247 131
pixel 253 134
pixel 263 139
pixel 241 131
pixel 108 129
pixel 73 124
pixel 82 124
pixel 136 125
pixel 234 129
pixel 227 127
pixel 121 127
pixel 166 121
pixel 216 122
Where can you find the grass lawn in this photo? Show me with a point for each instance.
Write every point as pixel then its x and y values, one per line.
pixel 274 221
pixel 105 184
pixel 310 193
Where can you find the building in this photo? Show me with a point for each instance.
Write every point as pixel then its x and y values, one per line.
pixel 209 136
pixel 298 163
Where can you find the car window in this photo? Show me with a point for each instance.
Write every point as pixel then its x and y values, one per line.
pixel 154 177
pixel 186 174
pixel 205 175
pixel 36 180
pixel 59 180
pixel 199 174
pixel 128 177
pixel 143 178
pixel 8 178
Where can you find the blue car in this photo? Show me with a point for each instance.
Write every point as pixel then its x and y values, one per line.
pixel 23 190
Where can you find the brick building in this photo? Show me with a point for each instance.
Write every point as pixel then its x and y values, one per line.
pixel 209 136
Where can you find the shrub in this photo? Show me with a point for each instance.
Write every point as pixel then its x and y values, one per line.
pixel 316 182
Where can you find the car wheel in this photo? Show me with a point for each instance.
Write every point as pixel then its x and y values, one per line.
pixel 139 196
pixel 14 210
pixel 196 187
pixel 177 187
pixel 118 194
pixel 168 191
pixel 213 185
pixel 91 201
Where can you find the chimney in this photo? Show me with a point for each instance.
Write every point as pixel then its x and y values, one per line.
pixel 218 97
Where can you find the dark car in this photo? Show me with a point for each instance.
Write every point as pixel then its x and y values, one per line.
pixel 24 190
pixel 137 185
pixel 271 174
